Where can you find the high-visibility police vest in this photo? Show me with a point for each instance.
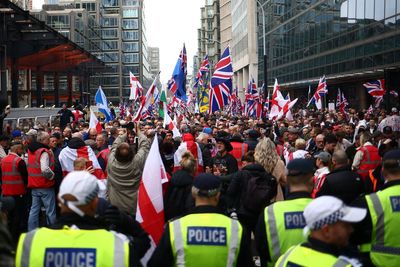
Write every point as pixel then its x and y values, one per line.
pixel 35 177
pixel 284 223
pixel 370 161
pixel 72 247
pixel 12 182
pixel 384 207
pixel 303 256
pixel 238 151
pixel 205 239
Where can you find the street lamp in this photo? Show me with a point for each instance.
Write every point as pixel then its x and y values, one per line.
pixel 265 50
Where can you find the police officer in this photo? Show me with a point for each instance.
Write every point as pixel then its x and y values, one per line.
pixel 281 225
pixel 77 238
pixel 204 237
pixel 328 222
pixel 379 231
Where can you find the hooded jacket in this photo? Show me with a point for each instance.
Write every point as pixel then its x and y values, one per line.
pixel 124 177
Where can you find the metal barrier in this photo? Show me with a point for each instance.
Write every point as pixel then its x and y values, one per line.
pixel 35 119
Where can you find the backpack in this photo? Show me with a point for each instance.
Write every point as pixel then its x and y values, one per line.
pixel 261 188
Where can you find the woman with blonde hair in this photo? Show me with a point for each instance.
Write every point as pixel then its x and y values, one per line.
pixel 266 155
pixel 178 199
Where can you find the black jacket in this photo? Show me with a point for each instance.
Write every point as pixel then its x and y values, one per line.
pixel 163 256
pixel 342 183
pixel 228 161
pixel 65 117
pixel 178 199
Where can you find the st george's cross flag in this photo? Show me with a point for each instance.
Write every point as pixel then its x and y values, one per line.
pixel 150 206
pixel 136 89
pixel 68 155
pixel 170 125
pixel 102 104
pixel 94 122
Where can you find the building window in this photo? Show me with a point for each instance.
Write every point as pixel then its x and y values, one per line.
pixel 58 21
pixel 109 45
pixel 111 57
pixel 130 3
pixel 109 22
pixel 130 47
pixel 130 58
pixel 132 24
pixel 130 13
pixel 110 33
pixel 133 69
pixel 111 81
pixel 110 3
pixel 89 6
pixel 130 35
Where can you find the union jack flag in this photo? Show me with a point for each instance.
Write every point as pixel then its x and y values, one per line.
pixel 204 68
pixel 375 88
pixel 221 82
pixel 394 93
pixel 321 91
pixel 253 107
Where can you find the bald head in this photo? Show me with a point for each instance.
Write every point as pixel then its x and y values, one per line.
pixel 339 158
pixel 77 135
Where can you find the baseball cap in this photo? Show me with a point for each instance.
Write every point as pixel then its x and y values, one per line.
pixel 300 166
pixel 207 184
pixel 324 156
pixel 207 130
pixel 327 210
pixel 80 184
pixel 16 133
pixel 31 132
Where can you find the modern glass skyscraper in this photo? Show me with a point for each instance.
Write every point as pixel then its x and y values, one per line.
pixel 350 41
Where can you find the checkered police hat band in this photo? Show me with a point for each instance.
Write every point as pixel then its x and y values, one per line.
pixel 331 219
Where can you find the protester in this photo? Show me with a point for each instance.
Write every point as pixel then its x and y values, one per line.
pixel 124 171
pixel 178 199
pixel 66 116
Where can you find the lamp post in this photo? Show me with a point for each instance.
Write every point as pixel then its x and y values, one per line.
pixel 264 50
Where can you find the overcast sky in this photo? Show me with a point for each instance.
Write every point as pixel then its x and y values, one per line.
pixel 170 23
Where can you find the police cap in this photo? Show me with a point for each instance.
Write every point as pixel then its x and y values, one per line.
pixel 207 184
pixel 300 166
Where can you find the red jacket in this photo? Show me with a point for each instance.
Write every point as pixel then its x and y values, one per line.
pixel 370 161
pixel 35 177
pixel 12 182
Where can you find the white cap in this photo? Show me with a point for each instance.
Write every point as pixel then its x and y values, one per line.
pixel 80 184
pixel 329 210
pixel 394 110
pixel 31 132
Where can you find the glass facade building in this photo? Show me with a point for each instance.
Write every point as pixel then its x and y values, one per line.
pixel 347 40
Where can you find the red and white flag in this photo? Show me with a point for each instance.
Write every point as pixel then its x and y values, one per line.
pixel 146 101
pixel 136 87
pixel 150 206
pixel 68 155
pixel 170 125
pixel 188 144
pixel 94 123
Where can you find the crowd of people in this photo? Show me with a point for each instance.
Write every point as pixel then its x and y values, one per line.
pixel 320 190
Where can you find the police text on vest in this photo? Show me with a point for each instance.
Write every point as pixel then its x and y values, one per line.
pixel 395 201
pixel 294 220
pixel 70 257
pixel 212 236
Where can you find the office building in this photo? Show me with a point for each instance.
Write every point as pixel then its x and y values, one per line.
pixel 225 22
pixel 350 41
pixel 208 36
pixel 244 43
pixel 154 60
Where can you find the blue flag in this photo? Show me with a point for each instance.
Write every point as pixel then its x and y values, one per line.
pixel 102 104
pixel 177 84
